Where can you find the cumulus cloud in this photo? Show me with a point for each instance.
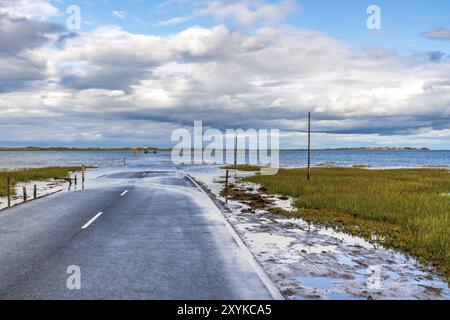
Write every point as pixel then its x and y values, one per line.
pixel 19 34
pixel 269 78
pixel 110 85
pixel 21 37
pixel 35 9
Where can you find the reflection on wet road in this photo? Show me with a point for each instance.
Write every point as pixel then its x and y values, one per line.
pixel 134 233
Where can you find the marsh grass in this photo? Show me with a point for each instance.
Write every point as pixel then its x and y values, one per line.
pixel 33 174
pixel 408 208
pixel 243 168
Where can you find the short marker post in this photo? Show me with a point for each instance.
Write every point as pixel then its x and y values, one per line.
pixel 8 190
pixel 309 146
pixel 24 189
pixel 82 176
pixel 226 185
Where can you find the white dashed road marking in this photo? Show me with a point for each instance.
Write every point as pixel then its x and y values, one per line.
pixel 92 220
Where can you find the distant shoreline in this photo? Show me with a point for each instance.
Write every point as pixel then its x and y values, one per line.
pixel 128 149
pixel 79 149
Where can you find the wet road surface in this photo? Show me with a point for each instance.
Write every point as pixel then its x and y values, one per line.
pixel 136 234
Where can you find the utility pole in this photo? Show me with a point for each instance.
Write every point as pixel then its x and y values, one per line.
pixel 309 146
pixel 235 150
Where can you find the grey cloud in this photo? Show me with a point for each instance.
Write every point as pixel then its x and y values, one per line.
pixel 64 37
pixel 436 84
pixel 18 34
pixel 437 56
pixel 267 79
pixel 105 77
pixel 19 37
pixel 433 56
pixel 438 34
pixel 18 72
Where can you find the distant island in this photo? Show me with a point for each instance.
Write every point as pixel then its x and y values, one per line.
pixel 385 148
pixel 366 149
pixel 153 149
pixel 92 149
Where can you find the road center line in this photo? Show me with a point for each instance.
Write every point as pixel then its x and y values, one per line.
pixel 124 193
pixel 92 220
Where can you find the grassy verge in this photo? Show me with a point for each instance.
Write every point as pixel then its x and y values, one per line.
pixel 243 168
pixel 407 209
pixel 33 174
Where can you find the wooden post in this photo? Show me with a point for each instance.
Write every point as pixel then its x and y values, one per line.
pixel 75 179
pixel 226 182
pixel 8 190
pixel 309 146
pixel 24 194
pixel 235 151
pixel 82 176
pixel 235 157
pixel 35 192
pixel 226 186
pixel 124 161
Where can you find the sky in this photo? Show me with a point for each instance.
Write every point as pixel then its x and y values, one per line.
pixel 130 72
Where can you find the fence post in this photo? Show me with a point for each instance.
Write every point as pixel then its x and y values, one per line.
pixel 8 190
pixel 24 194
pixel 226 186
pixel 35 192
pixel 309 146
pixel 226 182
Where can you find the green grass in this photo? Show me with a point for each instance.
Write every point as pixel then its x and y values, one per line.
pixel 408 208
pixel 33 174
pixel 243 168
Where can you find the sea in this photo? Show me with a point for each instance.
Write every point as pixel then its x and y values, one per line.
pixel 287 158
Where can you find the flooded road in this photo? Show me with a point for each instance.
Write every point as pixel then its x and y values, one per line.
pixel 133 233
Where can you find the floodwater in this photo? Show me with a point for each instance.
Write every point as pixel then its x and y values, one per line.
pixel 308 261
pixel 344 158
pixel 305 261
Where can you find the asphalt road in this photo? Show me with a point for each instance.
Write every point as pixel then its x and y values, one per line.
pixel 135 234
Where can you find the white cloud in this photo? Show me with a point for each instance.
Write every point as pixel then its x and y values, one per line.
pixel 109 81
pixel 119 14
pixel 31 9
pixel 175 21
pixel 242 14
pixel 247 14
